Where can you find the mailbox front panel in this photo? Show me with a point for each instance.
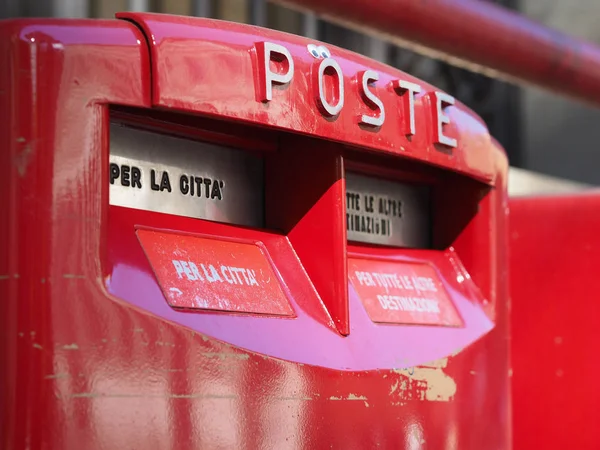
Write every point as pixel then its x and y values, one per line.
pixel 213 240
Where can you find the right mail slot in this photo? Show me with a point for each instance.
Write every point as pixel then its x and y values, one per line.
pixel 387 212
pixel 392 220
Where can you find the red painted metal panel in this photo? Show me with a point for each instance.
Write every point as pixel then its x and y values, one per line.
pixel 554 261
pixel 57 78
pixel 312 216
pixel 479 36
pixel 94 356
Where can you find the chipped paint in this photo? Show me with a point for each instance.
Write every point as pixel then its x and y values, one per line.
pixel 54 376
pixel 174 396
pixel 225 355
pixel 427 382
pixel 23 157
pixel 74 276
pixel 38 346
pixel 70 347
pixel 355 397
pixel 8 276
pixel 350 397
pixel 456 352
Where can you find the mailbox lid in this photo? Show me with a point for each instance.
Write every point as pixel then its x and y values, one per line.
pixel 223 77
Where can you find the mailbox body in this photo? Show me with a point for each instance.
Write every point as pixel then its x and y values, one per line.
pixel 92 354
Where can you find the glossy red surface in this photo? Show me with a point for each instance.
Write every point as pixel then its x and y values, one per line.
pixel 94 357
pixel 554 260
pixel 478 35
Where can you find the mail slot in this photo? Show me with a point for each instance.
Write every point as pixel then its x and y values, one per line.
pixel 225 236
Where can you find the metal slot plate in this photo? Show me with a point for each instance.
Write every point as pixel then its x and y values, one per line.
pixel 171 175
pixel 387 213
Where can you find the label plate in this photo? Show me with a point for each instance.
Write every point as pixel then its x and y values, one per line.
pixel 205 273
pixel 402 293
pixel 385 212
pixel 161 173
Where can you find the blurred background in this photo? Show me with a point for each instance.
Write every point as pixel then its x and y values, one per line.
pixel 540 131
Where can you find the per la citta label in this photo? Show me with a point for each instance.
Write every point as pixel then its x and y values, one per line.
pixel 160 181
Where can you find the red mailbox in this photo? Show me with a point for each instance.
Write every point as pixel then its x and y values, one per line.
pixel 221 236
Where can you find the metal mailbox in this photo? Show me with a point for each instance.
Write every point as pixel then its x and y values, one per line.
pixel 225 236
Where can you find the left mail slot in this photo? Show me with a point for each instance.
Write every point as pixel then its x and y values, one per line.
pixel 172 175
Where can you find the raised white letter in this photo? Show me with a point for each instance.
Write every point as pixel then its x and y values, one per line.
pixel 408 90
pixel 268 51
pixel 325 107
pixel 441 100
pixel 369 97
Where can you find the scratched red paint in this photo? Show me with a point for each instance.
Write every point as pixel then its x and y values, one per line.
pixel 402 292
pixel 207 273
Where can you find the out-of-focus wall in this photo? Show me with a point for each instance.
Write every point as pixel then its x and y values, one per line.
pixel 561 137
